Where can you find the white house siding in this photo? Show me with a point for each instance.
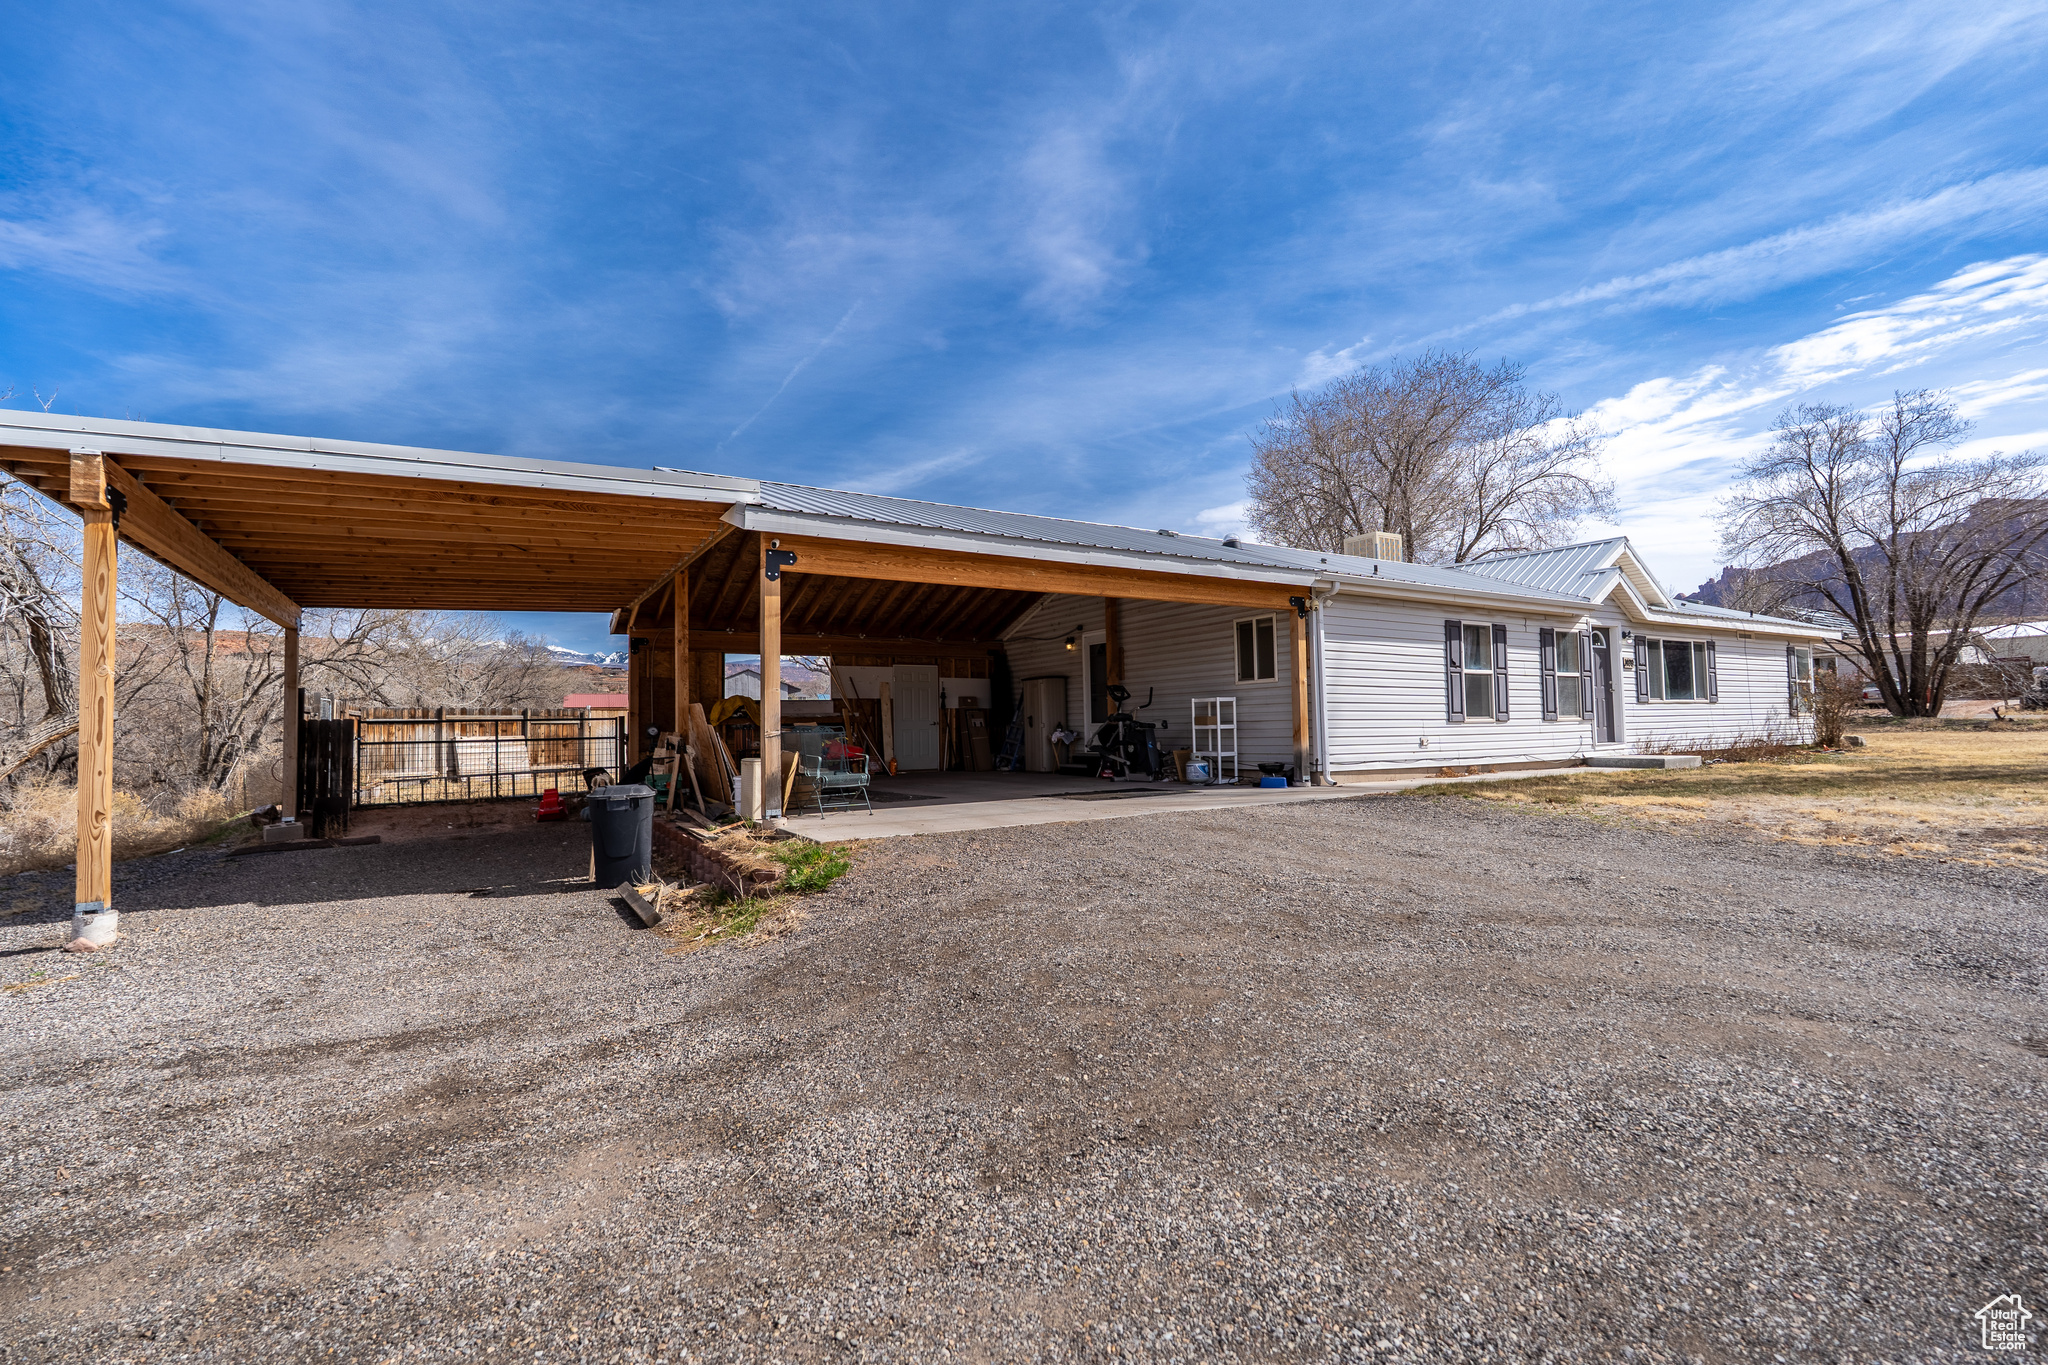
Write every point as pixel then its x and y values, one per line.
pixel 1177 652
pixel 1754 691
pixel 1385 687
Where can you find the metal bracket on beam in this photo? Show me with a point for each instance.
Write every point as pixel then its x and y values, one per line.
pixel 1300 605
pixel 778 560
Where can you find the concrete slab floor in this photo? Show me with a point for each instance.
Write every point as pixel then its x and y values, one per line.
pixel 935 803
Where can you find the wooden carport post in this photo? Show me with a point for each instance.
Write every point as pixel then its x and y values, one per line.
pixel 681 649
pixel 291 713
pixel 94 920
pixel 772 560
pixel 1300 690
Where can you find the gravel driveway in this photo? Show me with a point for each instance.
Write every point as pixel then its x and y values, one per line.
pixel 1389 1079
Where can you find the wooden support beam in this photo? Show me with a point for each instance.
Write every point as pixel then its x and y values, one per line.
pixel 155 527
pixel 1112 641
pixel 680 647
pixel 696 552
pixel 749 642
pixel 289 714
pixel 98 585
pixel 1299 630
pixel 771 682
pixel 636 683
pixel 910 564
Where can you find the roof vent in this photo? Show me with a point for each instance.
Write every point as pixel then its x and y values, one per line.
pixel 1230 542
pixel 1376 545
pixel 1164 532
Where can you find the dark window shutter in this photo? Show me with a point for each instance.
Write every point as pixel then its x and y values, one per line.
pixel 1546 658
pixel 1585 675
pixel 1713 675
pixel 1454 669
pixel 1642 669
pixel 1791 681
pixel 1500 672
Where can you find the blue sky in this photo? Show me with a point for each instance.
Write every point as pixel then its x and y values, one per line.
pixel 1058 259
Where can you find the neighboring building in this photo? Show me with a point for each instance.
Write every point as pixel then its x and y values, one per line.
pixel 2026 640
pixel 598 703
pixel 798 683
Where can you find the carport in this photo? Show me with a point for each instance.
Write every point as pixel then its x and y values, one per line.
pixel 693 566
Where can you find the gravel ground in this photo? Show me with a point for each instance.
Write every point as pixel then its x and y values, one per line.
pixel 1390 1079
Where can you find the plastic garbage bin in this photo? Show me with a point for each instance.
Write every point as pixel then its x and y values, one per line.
pixel 621 834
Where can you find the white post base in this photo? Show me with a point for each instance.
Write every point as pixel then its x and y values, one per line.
pixel 92 922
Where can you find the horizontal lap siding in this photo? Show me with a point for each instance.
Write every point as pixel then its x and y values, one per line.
pixel 1753 699
pixel 1178 652
pixel 1029 658
pixel 1386 692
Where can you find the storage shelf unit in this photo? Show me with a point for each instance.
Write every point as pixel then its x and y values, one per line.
pixel 1215 735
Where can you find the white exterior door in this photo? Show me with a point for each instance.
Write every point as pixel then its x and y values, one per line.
pixel 916 692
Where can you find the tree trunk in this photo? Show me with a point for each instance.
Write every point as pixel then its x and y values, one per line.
pixel 33 739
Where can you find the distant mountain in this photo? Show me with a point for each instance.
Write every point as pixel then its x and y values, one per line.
pixel 576 658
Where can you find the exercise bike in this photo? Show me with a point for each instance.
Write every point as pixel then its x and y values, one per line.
pixel 1124 746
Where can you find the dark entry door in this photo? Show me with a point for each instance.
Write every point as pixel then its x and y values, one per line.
pixel 1603 690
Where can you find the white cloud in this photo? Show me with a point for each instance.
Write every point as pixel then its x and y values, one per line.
pixel 1982 301
pixel 1227 520
pixel 1674 442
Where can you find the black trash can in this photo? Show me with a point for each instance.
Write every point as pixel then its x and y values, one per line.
pixel 621 834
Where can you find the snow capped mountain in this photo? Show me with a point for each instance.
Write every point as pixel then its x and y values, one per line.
pixel 576 658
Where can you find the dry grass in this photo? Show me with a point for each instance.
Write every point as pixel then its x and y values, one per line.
pixel 1920 790
pixel 703 916
pixel 41 829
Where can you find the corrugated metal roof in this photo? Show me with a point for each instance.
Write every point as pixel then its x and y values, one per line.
pixel 1574 570
pixel 1168 547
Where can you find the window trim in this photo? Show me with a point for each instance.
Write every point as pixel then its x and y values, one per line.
pixel 1554 673
pixel 1651 675
pixel 1497 672
pixel 1272 621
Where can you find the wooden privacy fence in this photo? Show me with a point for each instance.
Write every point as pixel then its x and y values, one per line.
pixel 408 756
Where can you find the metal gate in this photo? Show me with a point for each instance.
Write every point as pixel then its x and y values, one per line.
pixel 415 756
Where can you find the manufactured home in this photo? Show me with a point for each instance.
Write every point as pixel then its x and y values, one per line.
pixel 1341 667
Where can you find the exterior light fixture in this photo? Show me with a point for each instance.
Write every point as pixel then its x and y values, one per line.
pixel 1070 642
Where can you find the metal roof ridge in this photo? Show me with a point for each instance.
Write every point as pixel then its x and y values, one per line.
pixel 1553 550
pixel 314 447
pixel 1004 512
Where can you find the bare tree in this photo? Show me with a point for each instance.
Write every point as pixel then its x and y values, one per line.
pixel 37 625
pixel 1463 461
pixel 1872 515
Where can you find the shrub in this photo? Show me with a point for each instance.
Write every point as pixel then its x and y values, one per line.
pixel 1832 697
pixel 1775 741
pixel 40 829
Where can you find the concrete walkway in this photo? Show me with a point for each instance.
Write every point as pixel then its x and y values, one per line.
pixel 935 803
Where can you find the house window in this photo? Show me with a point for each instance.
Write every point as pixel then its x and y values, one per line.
pixel 1256 656
pixel 1570 693
pixel 1799 668
pixel 1678 670
pixel 1478 672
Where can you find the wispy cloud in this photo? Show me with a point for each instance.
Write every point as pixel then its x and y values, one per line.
pixel 89 243
pixel 1846 240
